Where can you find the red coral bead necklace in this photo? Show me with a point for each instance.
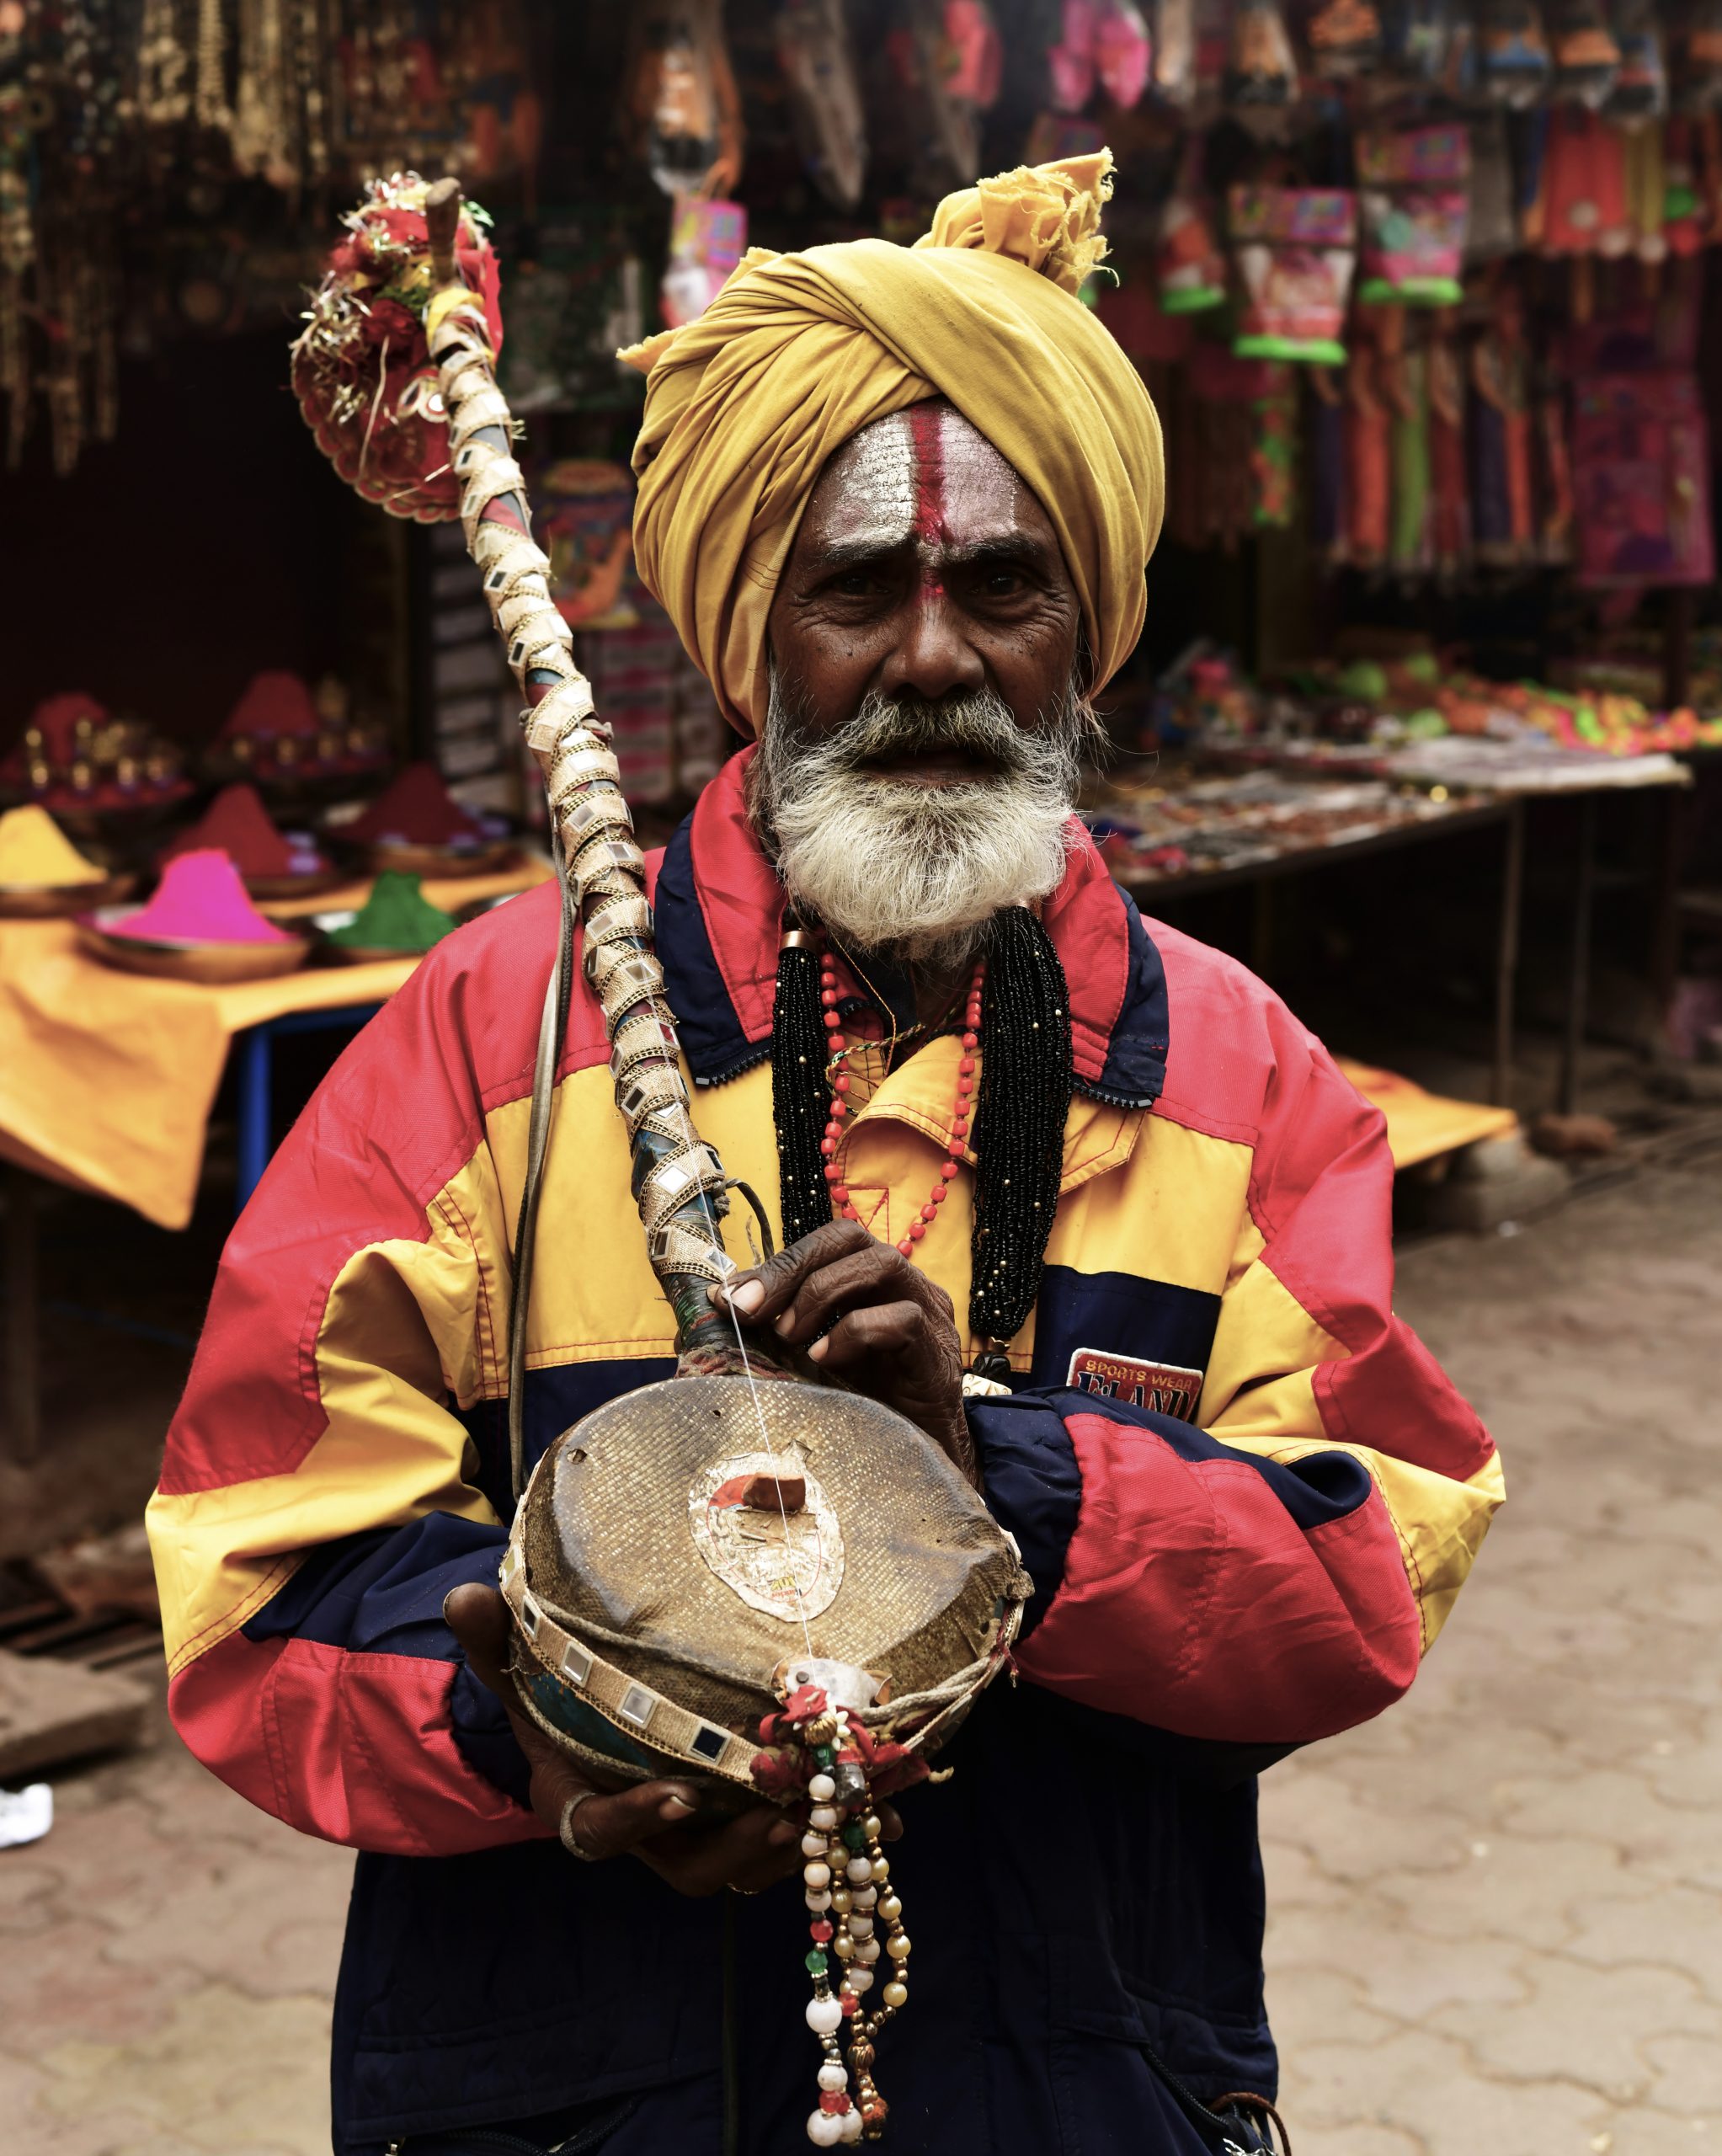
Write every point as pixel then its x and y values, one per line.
pixel 837 1045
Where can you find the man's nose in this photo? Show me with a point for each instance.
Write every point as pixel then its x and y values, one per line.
pixel 932 657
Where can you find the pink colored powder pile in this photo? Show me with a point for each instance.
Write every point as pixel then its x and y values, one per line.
pixel 200 900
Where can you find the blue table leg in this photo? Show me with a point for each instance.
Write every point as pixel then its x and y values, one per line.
pixel 256 1047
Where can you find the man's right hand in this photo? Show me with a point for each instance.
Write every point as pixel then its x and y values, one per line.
pixel 659 1821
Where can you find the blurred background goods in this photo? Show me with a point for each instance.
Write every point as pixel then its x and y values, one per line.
pixel 1426 726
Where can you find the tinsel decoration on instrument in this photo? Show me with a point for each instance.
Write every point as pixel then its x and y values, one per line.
pixel 362 370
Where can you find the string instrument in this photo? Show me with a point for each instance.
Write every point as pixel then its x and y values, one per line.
pixel 737 1574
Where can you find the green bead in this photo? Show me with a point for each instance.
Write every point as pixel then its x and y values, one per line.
pixel 826 1754
pixel 854 1837
pixel 817 1963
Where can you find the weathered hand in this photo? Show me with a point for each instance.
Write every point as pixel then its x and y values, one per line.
pixel 659 1821
pixel 862 1312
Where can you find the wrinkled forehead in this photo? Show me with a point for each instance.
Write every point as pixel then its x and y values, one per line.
pixel 924 474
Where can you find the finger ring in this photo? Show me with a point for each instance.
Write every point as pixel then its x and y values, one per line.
pixel 566 1831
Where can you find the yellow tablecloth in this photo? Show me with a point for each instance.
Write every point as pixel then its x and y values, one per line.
pixel 107 1078
pixel 1420 1125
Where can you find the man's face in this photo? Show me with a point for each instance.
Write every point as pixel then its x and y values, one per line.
pixel 924 570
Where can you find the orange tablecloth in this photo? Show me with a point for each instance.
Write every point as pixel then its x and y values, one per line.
pixel 107 1078
pixel 1420 1125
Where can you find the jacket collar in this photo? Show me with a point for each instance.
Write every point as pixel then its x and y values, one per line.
pixel 719 910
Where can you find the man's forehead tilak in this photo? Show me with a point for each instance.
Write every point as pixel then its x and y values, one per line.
pixel 924 474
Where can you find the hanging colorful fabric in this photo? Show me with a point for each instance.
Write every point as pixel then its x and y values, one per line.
pixel 1641 462
pixel 1295 249
pixel 1450 535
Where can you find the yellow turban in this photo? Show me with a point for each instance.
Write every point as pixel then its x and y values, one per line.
pixel 797 352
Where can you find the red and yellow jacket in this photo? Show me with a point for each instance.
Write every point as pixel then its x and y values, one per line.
pixel 1246 1493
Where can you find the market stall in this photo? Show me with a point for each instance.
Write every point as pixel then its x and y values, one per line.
pixel 1425 298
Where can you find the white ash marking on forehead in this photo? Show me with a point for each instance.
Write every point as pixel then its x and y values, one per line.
pixel 878 496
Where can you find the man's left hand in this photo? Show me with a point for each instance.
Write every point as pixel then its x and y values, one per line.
pixel 864 1313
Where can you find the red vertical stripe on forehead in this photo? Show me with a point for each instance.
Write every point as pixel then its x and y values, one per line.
pixel 925 421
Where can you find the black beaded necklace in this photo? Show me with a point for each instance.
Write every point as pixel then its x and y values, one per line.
pixel 1021 1108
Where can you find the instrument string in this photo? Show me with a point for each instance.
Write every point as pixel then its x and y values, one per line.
pixel 747 1364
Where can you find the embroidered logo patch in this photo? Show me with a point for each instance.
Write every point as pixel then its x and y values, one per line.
pixel 1162 1388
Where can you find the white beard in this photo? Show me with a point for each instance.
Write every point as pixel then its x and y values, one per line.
pixel 919 870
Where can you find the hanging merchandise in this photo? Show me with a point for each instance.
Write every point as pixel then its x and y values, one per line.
pixel 1190 266
pixel 1582 209
pixel 1640 92
pixel 1555 500
pixel 818 61
pixel 1414 205
pixel 1502 525
pixel 1645 176
pixel 1491 222
pixel 706 240
pixel 1512 56
pixel 1273 447
pixel 1367 462
pixel 947 54
pixel 585 524
pixel 1070 61
pixel 1587 58
pixel 1174 52
pixel 1415 38
pixel 1327 411
pixel 360 355
pixel 1449 498
pixel 1260 84
pixel 682 99
pixel 1295 249
pixel 1123 54
pixel 1461 59
pixel 1404 388
pixel 1103 41
pixel 1698 71
pixel 1641 463
pixel 1345 38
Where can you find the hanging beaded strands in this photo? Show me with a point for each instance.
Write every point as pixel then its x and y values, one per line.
pixel 1017 1029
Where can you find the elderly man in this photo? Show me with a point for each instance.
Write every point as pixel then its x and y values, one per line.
pixel 1075 1194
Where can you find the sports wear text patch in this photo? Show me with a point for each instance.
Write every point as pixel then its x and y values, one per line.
pixel 1162 1388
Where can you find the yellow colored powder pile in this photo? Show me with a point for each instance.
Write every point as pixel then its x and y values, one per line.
pixel 36 855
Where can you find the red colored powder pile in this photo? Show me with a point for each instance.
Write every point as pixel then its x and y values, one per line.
pixel 236 822
pixel 273 704
pixel 200 900
pixel 416 810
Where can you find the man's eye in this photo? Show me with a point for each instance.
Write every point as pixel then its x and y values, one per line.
pixel 855 583
pixel 1003 583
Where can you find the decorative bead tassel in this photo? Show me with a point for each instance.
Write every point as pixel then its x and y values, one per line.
pixel 842 1877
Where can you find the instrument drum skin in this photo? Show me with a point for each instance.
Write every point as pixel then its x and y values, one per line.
pixel 688 1548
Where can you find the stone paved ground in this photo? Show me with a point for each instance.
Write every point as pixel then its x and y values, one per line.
pixel 1497 1925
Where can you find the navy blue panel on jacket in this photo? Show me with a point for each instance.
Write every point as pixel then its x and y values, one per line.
pixel 1119 1313
pixel 1116 1903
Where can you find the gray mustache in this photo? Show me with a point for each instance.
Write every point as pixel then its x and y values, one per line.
pixel 981 726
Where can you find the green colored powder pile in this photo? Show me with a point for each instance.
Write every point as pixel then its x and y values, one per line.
pixel 396 916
